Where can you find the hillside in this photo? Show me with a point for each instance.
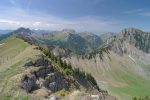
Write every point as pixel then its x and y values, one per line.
pixel 132 42
pixel 29 72
pixel 124 71
pixel 80 43
pixel 134 37
pixel 122 68
pixel 14 53
pixel 121 76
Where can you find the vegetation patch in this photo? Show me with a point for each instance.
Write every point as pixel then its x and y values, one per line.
pixel 62 92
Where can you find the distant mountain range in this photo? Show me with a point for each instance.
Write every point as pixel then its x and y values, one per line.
pixel 120 62
pixel 78 42
pixel 5 31
pixel 4 34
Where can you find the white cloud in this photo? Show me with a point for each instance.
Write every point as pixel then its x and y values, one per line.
pixel 3 21
pixel 36 23
pixel 16 17
pixel 135 11
pixel 143 12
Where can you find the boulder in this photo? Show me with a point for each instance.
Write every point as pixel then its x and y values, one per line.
pixel 28 84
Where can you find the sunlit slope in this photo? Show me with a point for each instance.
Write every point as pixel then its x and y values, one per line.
pixel 14 52
pixel 9 49
pixel 121 75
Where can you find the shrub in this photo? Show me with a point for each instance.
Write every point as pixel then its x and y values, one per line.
pixel 67 71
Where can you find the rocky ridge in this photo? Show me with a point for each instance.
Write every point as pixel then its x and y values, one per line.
pixel 132 42
pixel 44 76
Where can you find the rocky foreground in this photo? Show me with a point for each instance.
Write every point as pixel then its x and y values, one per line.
pixel 45 79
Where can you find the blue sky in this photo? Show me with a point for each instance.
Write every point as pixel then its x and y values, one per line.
pixel 81 15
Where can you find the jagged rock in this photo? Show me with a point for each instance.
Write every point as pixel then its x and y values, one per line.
pixel 134 37
pixel 37 62
pixel 46 76
pixel 41 62
pixel 43 72
pixel 59 82
pixel 28 63
pixel 28 84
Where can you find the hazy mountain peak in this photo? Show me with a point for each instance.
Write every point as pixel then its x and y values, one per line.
pixel 69 31
pixel 87 34
pixel 130 31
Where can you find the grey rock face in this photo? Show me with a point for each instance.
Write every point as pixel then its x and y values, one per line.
pixel 28 63
pixel 56 82
pixel 41 62
pixel 29 84
pixel 137 38
pixel 37 62
pixel 46 76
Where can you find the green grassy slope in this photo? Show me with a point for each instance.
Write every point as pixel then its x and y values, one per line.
pixel 14 53
pixel 10 47
pixel 11 71
pixel 127 80
pixel 135 85
pixel 121 76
